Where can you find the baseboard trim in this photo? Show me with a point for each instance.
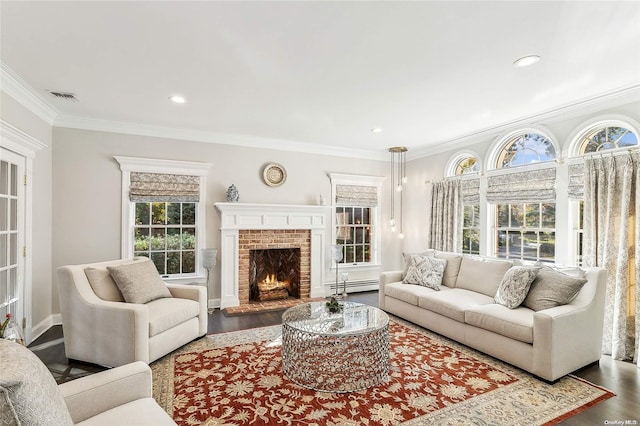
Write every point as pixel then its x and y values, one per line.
pixel 40 328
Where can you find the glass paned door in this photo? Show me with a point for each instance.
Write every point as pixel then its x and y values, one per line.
pixel 11 234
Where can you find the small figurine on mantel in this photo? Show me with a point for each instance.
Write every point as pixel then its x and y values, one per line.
pixel 232 194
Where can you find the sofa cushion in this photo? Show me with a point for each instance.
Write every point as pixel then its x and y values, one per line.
pixel 28 393
pixel 515 285
pixel 406 259
pixel 552 288
pixel 425 271
pixel 482 275
pixel 513 323
pixel 450 274
pixel 102 283
pixel 452 303
pixel 139 282
pixel 166 313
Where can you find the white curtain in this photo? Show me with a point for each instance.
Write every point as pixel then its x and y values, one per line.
pixel 446 216
pixel 611 235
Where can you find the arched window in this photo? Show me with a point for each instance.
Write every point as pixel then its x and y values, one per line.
pixel 606 137
pixel 525 148
pixel 467 165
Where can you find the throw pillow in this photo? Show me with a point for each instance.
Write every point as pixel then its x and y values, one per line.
pixel 515 285
pixel 101 282
pixel 551 288
pixel 406 259
pixel 139 282
pixel 29 394
pixel 452 270
pixel 425 271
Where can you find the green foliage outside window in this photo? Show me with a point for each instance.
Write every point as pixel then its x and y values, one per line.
pixel 166 233
pixel 526 231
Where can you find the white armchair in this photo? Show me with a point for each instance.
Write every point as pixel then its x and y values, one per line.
pixel 112 332
pixel 29 394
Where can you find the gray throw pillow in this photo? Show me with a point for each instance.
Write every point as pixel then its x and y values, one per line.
pixel 101 282
pixel 139 282
pixel 29 394
pixel 551 288
pixel 406 259
pixel 515 285
pixel 425 271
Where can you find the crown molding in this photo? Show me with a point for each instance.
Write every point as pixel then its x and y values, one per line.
pixel 584 106
pixel 77 122
pixel 18 141
pixel 13 85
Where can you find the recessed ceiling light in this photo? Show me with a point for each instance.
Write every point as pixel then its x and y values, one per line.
pixel 376 130
pixel 177 99
pixel 525 61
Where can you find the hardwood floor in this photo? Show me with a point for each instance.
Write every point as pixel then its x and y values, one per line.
pixel 622 378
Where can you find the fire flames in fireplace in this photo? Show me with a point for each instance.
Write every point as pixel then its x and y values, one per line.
pixel 271 288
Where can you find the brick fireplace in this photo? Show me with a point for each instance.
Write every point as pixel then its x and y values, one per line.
pixel 247 226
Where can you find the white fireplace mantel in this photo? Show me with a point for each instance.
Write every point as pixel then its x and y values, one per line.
pixel 249 216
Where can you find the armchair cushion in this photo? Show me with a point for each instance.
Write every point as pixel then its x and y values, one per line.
pixel 167 313
pixel 139 282
pixel 102 283
pixel 29 394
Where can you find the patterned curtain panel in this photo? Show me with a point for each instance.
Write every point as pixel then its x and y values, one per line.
pixel 611 238
pixel 533 186
pixel 355 195
pixel 576 181
pixel 446 216
pixel 147 187
pixel 470 191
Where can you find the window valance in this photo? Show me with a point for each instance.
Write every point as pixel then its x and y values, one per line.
pixel 356 195
pixel 532 186
pixel 149 187
pixel 576 181
pixel 470 191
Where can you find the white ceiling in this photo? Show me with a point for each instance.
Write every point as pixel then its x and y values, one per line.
pixel 321 73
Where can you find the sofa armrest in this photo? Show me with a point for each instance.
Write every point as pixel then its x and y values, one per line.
pixel 568 337
pixel 197 293
pixel 91 395
pixel 387 277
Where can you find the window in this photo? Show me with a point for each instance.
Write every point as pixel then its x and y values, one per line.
pixel 471 230
pixel 163 206
pixel 604 138
pixel 526 231
pixel 524 149
pixel 353 232
pixel 166 233
pixel 467 165
pixel 356 218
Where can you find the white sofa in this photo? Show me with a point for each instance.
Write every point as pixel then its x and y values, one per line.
pixel 112 332
pixel 548 343
pixel 29 394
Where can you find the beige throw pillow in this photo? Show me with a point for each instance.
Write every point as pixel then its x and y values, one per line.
pixel 551 288
pixel 515 285
pixel 139 282
pixel 452 270
pixel 425 271
pixel 101 282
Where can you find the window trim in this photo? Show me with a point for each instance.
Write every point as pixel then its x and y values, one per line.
pixel 361 180
pixel 151 165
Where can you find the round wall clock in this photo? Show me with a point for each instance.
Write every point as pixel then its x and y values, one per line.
pixel 274 174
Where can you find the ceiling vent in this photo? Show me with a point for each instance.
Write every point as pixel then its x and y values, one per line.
pixel 66 96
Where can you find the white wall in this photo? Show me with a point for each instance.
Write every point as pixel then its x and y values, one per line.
pixel 87 188
pixel 432 168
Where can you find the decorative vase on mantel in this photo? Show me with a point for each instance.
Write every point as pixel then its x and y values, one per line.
pixel 232 194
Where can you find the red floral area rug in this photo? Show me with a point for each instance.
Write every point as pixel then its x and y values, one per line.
pixel 236 379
